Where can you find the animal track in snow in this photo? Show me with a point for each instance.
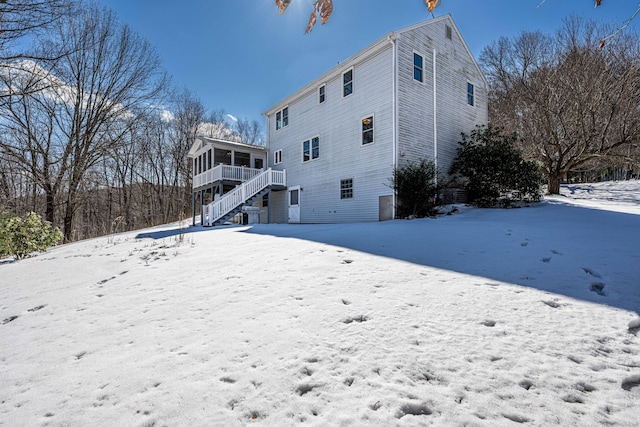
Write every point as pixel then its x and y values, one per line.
pixel 546 259
pixel 489 323
pixel 631 382
pixel 359 319
pixel 551 304
pixel 9 319
pixel 591 272
pixel 413 409
pixel 36 308
pixel 305 388
pixel 598 288
pixel 516 418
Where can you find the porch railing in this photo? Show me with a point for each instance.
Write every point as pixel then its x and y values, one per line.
pixel 243 192
pixel 225 172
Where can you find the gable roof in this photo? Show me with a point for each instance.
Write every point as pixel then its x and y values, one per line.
pixel 378 45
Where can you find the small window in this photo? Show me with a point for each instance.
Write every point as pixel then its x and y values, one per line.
pixel 447 32
pixel 347 83
pixel 209 160
pixel 277 157
pixel 367 130
pixel 346 188
pixel 282 118
pixel 418 67
pixel 470 96
pixel 322 94
pixel 311 149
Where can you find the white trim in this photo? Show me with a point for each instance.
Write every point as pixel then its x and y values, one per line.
pixel 310 139
pixel 276 154
pixel 340 189
pixel 353 78
pixel 323 85
pixel 373 130
pixel 413 67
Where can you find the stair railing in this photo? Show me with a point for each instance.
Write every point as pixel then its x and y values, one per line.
pixel 243 192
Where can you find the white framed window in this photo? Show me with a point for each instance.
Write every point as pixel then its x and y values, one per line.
pixel 322 94
pixel 346 188
pixel 311 149
pixel 277 157
pixel 418 67
pixel 367 130
pixel 282 118
pixel 347 83
pixel 470 94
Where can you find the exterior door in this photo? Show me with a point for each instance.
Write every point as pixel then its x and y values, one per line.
pixel 294 204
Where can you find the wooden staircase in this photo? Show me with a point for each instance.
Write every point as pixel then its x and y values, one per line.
pixel 230 204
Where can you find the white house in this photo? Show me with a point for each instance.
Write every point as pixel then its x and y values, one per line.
pixel 333 145
pixel 228 176
pixel 407 96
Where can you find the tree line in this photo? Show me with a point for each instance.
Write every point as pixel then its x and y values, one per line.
pixel 575 105
pixel 93 134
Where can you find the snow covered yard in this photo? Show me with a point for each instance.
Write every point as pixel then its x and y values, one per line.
pixel 480 318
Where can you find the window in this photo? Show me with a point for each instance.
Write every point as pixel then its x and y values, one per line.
pixel 347 83
pixel 367 130
pixel 470 99
pixel 282 118
pixel 242 159
pixel 418 67
pixel 346 188
pixel 311 149
pixel 209 161
pixel 321 94
pixel 221 157
pixel 277 157
pixel 447 32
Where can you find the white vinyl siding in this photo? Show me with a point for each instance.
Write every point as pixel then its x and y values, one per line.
pixel 454 68
pixel 339 125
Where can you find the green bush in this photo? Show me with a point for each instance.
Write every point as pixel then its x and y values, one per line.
pixel 415 187
pixel 494 169
pixel 23 237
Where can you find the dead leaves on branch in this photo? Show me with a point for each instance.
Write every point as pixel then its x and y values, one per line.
pixel 322 8
pixel 431 4
pixel 282 5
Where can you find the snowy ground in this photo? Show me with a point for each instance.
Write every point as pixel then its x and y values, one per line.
pixel 480 318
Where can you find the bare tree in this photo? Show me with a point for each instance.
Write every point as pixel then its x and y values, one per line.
pixel 107 75
pixel 250 132
pixel 20 18
pixel 570 102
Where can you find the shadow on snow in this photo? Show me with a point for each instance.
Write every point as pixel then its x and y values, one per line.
pixel 582 253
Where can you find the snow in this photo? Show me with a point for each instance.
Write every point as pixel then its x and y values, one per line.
pixel 485 317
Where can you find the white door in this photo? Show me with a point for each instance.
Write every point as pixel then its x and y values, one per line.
pixel 294 204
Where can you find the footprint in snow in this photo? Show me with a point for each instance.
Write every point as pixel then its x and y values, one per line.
pixel 631 382
pixel 591 272
pixel 634 326
pixel 551 304
pixel 598 288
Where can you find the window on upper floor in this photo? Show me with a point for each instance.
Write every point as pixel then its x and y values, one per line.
pixel 367 130
pixel 347 83
pixel 470 95
pixel 311 149
pixel 418 67
pixel 282 118
pixel 277 157
pixel 322 94
pixel 448 32
pixel 346 188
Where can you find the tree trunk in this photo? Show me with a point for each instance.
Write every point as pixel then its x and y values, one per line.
pixel 554 184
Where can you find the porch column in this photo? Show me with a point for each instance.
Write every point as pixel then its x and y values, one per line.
pixel 201 210
pixel 193 207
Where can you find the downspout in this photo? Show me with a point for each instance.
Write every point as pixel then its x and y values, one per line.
pixel 268 167
pixel 394 102
pixel 435 121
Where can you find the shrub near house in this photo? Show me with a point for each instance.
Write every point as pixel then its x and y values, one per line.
pixel 21 238
pixel 493 169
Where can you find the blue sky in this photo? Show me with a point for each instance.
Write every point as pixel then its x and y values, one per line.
pixel 243 57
